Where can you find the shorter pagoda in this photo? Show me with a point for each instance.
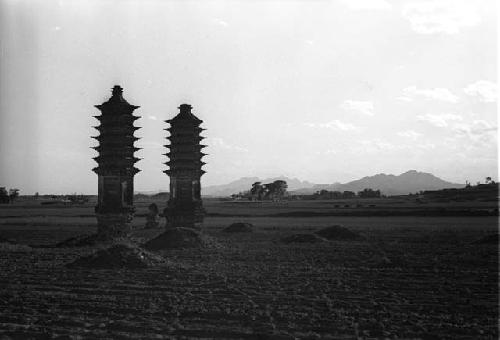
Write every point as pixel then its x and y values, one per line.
pixel 115 170
pixel 184 207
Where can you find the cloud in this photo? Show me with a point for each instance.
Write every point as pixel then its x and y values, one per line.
pixel 364 107
pixel 438 93
pixel 404 98
pixel 441 16
pixel 220 143
pixel 152 117
pixel 336 125
pixel 327 152
pixel 377 145
pixel 374 145
pixel 220 22
pixel 479 132
pixel 409 134
pixel 442 120
pixel 487 91
pixel 426 146
pixel 358 5
pixel 477 127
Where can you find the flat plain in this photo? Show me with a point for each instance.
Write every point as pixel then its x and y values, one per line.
pixel 416 275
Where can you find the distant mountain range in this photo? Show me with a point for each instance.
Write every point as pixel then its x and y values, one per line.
pixel 409 182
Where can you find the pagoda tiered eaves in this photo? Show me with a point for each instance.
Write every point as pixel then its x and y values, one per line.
pixel 115 159
pixel 184 207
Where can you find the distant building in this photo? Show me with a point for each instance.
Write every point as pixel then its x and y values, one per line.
pixel 184 208
pixel 115 170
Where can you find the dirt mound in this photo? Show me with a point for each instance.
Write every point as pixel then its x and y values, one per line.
pixel 176 238
pixel 14 247
pixel 488 239
pixel 119 256
pixel 79 241
pixel 87 241
pixel 8 245
pixel 302 238
pixel 239 227
pixel 339 233
pixel 5 240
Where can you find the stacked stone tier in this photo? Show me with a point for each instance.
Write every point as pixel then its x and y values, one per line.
pixel 187 140
pixel 176 155
pixel 185 172
pixel 122 149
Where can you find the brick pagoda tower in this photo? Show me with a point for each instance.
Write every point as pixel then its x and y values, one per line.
pixel 184 208
pixel 115 170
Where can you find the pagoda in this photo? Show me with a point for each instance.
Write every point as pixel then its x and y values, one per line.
pixel 115 170
pixel 184 207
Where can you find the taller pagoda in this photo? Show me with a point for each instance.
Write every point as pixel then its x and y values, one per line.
pixel 184 207
pixel 115 170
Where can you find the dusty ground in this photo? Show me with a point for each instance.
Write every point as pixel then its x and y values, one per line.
pixel 413 277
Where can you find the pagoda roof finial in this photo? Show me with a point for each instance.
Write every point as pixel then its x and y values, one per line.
pixel 117 94
pixel 116 100
pixel 185 108
pixel 117 90
pixel 185 114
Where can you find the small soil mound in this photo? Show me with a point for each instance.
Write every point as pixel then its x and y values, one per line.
pixel 8 245
pixel 339 233
pixel 302 238
pixel 175 238
pixel 5 240
pixel 488 239
pixel 84 241
pixel 119 256
pixel 239 227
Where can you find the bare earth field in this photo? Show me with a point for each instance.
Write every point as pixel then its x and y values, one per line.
pixel 414 277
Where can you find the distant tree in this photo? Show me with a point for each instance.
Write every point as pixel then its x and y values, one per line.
pixel 325 194
pixel 269 191
pixel 348 194
pixel 369 193
pixel 321 194
pixel 279 188
pixel 336 194
pixel 37 195
pixel 77 199
pixel 257 191
pixel 242 194
pixel 4 196
pixel 13 194
pixel 276 190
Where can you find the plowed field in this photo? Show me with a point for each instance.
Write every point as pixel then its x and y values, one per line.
pixel 412 277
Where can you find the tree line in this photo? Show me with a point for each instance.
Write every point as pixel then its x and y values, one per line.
pixel 274 191
pixel 365 193
pixel 7 197
pixel 277 190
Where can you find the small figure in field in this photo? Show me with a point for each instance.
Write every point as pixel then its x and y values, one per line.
pixel 152 219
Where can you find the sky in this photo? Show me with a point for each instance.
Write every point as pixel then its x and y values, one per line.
pixel 324 91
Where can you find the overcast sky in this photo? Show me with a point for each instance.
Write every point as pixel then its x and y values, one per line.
pixel 326 91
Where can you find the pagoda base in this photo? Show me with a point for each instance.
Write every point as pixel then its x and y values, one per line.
pixel 176 219
pixel 113 225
